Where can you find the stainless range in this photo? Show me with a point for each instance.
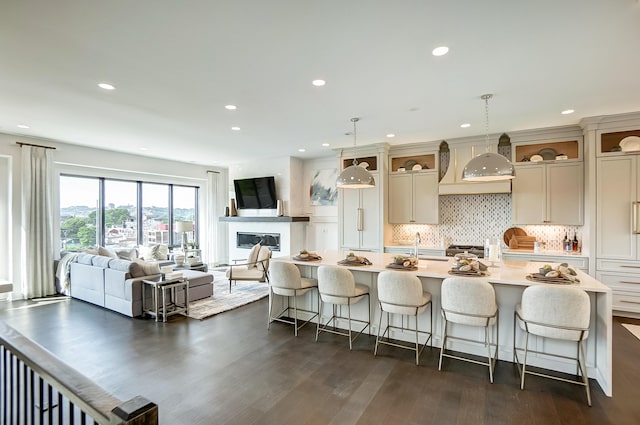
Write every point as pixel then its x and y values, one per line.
pixel 471 249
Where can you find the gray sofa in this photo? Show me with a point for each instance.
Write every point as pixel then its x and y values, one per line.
pixel 116 284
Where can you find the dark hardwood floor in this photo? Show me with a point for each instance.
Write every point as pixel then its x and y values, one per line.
pixel 229 369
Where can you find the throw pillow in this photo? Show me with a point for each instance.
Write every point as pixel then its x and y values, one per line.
pixel 158 252
pixel 148 268
pixel 126 253
pixel 105 252
pixel 144 252
pixel 253 256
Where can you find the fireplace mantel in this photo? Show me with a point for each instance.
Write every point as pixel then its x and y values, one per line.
pixel 283 219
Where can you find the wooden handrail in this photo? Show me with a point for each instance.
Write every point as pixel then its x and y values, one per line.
pixel 101 405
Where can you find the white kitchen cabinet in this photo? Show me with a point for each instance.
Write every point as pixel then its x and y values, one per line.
pixel 548 193
pixel 360 219
pixel 413 198
pixel 617 190
pixel 618 222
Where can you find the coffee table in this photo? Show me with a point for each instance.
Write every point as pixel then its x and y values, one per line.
pixel 159 289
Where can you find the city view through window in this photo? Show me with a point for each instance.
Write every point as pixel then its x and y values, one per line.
pixel 161 206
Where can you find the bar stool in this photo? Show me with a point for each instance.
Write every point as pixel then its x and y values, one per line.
pixel 469 302
pixel 401 293
pixel 557 312
pixel 337 286
pixel 286 282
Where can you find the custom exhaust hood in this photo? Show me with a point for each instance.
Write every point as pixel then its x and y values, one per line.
pixel 460 154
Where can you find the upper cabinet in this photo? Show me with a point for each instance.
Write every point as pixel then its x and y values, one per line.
pixel 549 183
pixel 413 187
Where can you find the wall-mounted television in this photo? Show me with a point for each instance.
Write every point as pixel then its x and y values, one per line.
pixel 256 193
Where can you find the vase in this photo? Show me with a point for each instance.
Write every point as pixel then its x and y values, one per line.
pixel 234 211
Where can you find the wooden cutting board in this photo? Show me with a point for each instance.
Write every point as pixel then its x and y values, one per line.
pixel 512 231
pixel 525 242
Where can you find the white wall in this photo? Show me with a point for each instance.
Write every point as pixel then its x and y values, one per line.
pixel 79 160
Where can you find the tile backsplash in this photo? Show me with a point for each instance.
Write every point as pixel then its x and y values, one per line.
pixel 470 219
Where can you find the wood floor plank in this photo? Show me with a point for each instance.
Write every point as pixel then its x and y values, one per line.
pixel 230 370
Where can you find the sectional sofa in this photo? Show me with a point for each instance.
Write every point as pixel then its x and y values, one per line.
pixel 116 284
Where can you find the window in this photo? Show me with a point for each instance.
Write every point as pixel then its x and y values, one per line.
pixel 78 212
pixel 120 213
pixel 155 214
pixel 184 209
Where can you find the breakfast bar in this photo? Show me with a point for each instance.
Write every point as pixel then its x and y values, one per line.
pixel 509 280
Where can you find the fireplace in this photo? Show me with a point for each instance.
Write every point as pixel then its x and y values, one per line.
pixel 246 240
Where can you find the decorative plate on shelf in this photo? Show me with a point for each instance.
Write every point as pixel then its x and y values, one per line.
pixel 364 165
pixel 409 164
pixel 536 158
pixel 630 144
pixel 417 167
pixel 548 154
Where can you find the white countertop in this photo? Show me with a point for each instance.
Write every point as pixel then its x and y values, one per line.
pixel 508 272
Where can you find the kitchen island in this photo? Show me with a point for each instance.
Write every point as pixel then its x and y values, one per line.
pixel 509 280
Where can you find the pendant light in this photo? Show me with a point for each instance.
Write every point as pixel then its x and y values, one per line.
pixel 488 166
pixel 355 176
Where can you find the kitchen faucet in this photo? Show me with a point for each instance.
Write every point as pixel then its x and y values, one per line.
pixel 418 240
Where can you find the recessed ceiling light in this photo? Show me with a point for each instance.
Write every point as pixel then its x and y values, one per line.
pixel 567 112
pixel 440 51
pixel 231 107
pixel 326 144
pixel 23 126
pixel 390 135
pixel 465 125
pixel 318 83
pixel 302 150
pixel 235 128
pixel 106 86
pixel 144 149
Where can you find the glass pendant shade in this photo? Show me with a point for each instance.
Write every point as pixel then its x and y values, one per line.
pixel 488 167
pixel 355 177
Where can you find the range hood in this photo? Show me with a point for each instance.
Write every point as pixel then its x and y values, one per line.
pixel 459 155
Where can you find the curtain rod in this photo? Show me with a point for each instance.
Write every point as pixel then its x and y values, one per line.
pixel 37 146
pixel 211 171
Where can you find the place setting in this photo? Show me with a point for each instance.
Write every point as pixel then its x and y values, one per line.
pixel 401 262
pixel 466 264
pixel 355 260
pixel 561 275
pixel 305 255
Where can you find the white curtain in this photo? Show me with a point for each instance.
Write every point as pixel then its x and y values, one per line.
pixel 37 235
pixel 216 236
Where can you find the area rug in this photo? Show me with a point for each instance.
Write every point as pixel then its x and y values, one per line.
pixel 241 294
pixel 634 329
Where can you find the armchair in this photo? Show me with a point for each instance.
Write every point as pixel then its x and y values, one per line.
pixel 257 270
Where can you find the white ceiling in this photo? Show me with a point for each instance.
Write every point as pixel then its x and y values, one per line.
pixel 176 64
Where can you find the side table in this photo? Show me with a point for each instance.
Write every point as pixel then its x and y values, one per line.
pixel 159 288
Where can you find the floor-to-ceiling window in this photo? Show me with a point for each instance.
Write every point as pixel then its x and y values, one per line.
pixel 79 200
pixel 120 213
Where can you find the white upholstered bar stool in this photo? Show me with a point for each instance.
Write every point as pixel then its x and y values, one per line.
pixel 337 286
pixel 469 302
pixel 286 281
pixel 401 293
pixel 558 312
